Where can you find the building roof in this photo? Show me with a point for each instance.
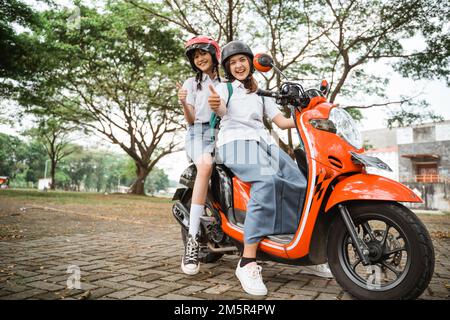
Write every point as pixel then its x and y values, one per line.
pixel 428 156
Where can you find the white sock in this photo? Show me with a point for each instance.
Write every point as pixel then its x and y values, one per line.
pixel 194 218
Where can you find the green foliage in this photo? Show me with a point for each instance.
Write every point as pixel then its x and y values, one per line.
pixel 334 40
pixel 411 113
pixel 12 156
pixel 157 180
pixel 433 62
pixel 355 113
pixel 23 162
pixel 36 156
pixel 114 73
pixel 13 46
pixel 84 169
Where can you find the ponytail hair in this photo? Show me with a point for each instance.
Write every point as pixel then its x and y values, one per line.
pixel 198 78
pixel 250 84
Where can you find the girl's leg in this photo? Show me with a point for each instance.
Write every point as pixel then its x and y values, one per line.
pixel 204 169
pixel 190 263
pixel 244 160
pixel 249 254
pixel 250 250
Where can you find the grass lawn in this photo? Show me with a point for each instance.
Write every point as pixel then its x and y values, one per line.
pixel 66 197
pixel 28 213
pixel 114 206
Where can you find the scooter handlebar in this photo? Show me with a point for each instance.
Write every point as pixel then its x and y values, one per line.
pixel 267 93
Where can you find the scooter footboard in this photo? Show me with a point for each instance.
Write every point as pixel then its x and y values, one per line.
pixel 370 187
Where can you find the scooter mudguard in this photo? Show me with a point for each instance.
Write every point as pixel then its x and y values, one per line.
pixel 370 187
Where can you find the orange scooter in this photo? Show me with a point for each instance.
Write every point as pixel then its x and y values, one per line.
pixel 376 247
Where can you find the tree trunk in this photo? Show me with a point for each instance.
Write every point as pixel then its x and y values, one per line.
pixel 52 175
pixel 138 185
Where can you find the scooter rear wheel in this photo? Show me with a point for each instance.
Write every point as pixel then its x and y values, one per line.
pixel 401 252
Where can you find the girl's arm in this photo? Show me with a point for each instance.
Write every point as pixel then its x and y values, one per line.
pixel 188 110
pixel 189 113
pixel 282 122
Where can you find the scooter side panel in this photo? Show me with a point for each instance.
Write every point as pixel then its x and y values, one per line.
pixel 241 194
pixel 318 181
pixel 370 187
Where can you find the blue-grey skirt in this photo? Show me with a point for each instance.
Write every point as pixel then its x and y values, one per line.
pixel 277 187
pixel 198 141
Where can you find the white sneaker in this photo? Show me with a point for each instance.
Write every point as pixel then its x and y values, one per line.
pixel 320 270
pixel 251 279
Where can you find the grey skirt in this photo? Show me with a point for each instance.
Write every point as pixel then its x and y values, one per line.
pixel 198 141
pixel 277 187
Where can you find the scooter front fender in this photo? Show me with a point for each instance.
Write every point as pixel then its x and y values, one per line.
pixel 370 187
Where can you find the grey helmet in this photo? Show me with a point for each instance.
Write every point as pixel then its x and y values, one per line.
pixel 236 47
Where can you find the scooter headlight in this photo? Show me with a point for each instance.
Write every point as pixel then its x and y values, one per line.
pixel 346 127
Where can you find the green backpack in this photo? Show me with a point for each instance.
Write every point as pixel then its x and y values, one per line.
pixel 214 120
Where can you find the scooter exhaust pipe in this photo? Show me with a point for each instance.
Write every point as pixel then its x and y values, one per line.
pixel 181 214
pixel 222 249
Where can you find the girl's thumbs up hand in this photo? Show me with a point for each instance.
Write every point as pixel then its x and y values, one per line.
pixel 214 99
pixel 182 93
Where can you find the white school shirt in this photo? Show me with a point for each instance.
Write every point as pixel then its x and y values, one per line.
pixel 244 117
pixel 199 98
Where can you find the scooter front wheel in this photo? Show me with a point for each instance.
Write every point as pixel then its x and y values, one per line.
pixel 401 252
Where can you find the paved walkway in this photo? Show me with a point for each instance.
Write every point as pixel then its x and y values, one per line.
pixel 141 260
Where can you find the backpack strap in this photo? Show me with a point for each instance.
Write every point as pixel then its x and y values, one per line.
pixel 230 92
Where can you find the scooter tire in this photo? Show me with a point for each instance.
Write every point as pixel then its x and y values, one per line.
pixel 421 252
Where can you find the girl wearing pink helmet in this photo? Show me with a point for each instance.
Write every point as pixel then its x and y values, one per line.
pixel 204 56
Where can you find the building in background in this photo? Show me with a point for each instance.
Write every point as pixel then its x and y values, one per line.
pixel 419 157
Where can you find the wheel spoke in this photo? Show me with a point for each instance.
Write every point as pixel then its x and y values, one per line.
pixel 386 232
pixel 396 272
pixel 368 230
pixel 388 253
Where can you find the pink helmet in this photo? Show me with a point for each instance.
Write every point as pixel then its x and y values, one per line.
pixel 204 43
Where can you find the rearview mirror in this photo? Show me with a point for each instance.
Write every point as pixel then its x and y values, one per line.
pixel 263 62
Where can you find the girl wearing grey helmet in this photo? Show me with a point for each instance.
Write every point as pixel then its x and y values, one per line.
pixel 248 150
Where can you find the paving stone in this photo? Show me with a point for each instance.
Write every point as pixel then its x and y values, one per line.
pixel 219 289
pixel 125 293
pixel 141 284
pixel 172 296
pixel 45 286
pixel 110 284
pixel 23 295
pixel 144 264
pixel 326 296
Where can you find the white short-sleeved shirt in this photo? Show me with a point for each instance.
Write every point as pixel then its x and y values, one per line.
pixel 245 113
pixel 199 98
